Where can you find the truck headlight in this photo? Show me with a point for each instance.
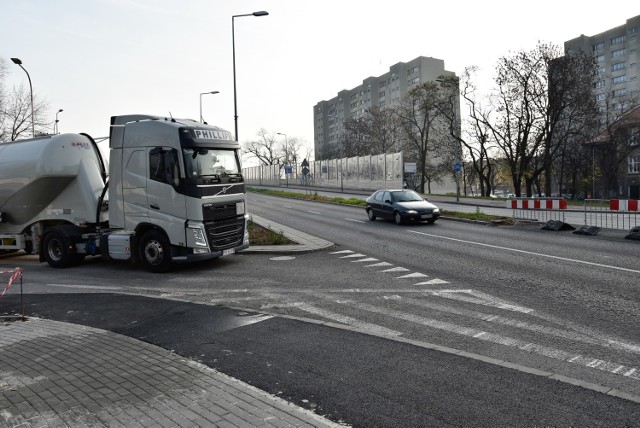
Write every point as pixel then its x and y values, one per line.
pixel 239 208
pixel 198 236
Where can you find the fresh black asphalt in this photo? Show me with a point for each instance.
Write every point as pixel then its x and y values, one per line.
pixel 361 380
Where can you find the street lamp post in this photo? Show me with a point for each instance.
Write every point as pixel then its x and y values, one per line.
pixel 201 94
pixel 55 125
pixel 286 145
pixel 19 63
pixel 233 42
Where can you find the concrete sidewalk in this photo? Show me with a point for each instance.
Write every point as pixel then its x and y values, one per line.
pixel 55 374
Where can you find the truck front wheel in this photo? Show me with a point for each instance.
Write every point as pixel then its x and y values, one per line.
pixel 55 245
pixel 154 252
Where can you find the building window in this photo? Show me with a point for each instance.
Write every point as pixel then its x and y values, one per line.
pixel 633 30
pixel 599 84
pixel 600 97
pixel 598 46
pixel 620 92
pixel 618 40
pixel 600 71
pixel 634 164
pixel 617 67
pixel 634 136
pixel 619 79
pixel 600 58
pixel 617 53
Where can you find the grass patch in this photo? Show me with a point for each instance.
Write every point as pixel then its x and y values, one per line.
pixel 309 196
pixel 259 235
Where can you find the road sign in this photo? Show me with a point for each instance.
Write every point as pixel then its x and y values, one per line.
pixel 457 167
pixel 288 169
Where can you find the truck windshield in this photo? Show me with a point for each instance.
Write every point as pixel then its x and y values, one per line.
pixel 210 166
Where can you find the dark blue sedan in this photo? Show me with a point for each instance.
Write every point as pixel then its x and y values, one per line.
pixel 401 206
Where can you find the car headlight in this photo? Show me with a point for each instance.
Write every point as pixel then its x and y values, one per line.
pixel 411 212
pixel 436 210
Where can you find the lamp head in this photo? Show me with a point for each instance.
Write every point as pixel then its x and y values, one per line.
pixel 16 61
pixel 261 13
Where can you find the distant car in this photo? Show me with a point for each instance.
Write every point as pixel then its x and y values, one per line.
pixel 401 205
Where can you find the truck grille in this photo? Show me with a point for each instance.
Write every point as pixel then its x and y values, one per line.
pixel 223 226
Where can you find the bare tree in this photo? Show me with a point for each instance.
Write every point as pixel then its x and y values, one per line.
pixel 265 149
pixel 422 122
pixel 16 114
pixel 476 138
pixel 542 99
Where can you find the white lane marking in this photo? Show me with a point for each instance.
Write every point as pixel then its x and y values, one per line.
pixel 287 207
pixel 535 348
pixel 531 253
pixel 91 287
pixel 314 212
pixel 432 282
pixel 368 259
pixel 379 264
pixel 413 275
pixel 343 319
pixel 512 322
pixel 354 220
pixel 485 300
pixel 341 252
pixel 395 269
pixel 357 255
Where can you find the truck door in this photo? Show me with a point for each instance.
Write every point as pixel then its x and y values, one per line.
pixel 167 207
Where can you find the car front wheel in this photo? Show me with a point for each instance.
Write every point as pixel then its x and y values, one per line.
pixel 397 218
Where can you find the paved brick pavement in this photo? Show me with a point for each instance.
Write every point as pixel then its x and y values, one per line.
pixel 55 374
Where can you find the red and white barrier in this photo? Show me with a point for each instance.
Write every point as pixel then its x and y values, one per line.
pixel 624 205
pixel 15 273
pixel 537 204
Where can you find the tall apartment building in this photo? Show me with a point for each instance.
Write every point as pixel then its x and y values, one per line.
pixel 616 53
pixel 385 90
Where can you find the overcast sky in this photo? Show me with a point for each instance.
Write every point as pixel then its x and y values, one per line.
pixel 98 58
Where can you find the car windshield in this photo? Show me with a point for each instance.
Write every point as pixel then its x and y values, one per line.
pixel 405 196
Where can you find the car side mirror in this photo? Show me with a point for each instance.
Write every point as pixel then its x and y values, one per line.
pixel 387 201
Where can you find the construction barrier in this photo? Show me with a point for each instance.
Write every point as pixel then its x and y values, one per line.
pixel 623 205
pixel 621 214
pixel 538 209
pixel 15 273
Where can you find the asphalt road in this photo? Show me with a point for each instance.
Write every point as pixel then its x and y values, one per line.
pixel 357 379
pixel 510 307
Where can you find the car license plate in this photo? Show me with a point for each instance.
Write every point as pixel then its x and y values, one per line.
pixel 426 216
pixel 228 251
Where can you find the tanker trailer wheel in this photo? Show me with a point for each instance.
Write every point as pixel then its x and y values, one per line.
pixel 54 245
pixel 154 252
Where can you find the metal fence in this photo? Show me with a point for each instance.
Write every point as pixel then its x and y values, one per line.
pixel 599 213
pixel 538 209
pixel 362 172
